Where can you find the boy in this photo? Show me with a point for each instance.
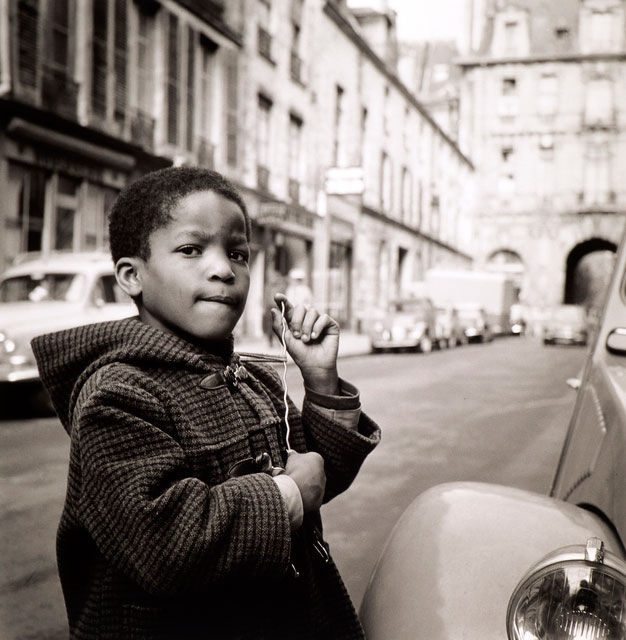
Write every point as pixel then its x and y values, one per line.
pixel 188 512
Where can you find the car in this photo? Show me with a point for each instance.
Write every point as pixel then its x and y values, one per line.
pixel 409 324
pixel 42 293
pixel 566 324
pixel 448 329
pixel 473 319
pixel 484 562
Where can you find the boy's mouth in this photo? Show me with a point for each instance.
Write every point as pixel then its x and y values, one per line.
pixel 222 300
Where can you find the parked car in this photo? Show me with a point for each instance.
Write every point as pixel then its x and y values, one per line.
pixel 485 562
pixel 42 293
pixel 409 324
pixel 473 319
pixel 448 329
pixel 566 324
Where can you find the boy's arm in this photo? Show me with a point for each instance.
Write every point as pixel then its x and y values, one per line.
pixel 152 519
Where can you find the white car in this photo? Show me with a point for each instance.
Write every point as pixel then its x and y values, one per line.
pixel 44 293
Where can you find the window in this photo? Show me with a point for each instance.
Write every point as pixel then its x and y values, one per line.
pixel 597 173
pixel 263 142
pixel 511 37
pixel 407 199
pixel 232 92
pixel 548 94
pixel 172 79
pixel 363 133
pixel 509 86
pixel 25 203
pixel 27 42
pixel 264 38
pixel 145 62
pixel 599 102
pixel 108 59
pixel 546 148
pixel 508 98
pixel 386 115
pixel 295 145
pixel 601 28
pixel 191 88
pixel 206 109
pixel 338 124
pixel 385 184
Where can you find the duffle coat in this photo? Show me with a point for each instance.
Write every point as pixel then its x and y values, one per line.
pixel 156 540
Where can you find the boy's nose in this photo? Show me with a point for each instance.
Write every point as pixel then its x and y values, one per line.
pixel 219 267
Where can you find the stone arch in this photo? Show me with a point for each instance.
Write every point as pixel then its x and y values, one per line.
pixel 588 269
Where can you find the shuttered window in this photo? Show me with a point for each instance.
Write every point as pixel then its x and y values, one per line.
pixel 191 89
pixel 231 108
pixel 27 37
pixel 59 36
pixel 100 16
pixel 120 39
pixel 172 92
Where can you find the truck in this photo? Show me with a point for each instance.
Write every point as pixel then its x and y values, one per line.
pixel 493 292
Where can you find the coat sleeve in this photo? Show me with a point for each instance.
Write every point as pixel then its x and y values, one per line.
pixel 165 529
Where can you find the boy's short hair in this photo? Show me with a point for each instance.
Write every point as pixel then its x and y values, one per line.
pixel 145 205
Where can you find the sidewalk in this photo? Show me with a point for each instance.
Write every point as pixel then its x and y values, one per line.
pixel 350 344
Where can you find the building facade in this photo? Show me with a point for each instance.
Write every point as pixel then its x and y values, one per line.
pixel 543 118
pixel 346 176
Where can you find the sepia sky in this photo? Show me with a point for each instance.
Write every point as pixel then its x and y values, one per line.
pixel 429 19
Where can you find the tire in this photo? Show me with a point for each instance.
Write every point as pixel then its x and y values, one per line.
pixel 452 343
pixel 425 344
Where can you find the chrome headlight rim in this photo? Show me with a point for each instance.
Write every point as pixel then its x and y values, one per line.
pixel 591 557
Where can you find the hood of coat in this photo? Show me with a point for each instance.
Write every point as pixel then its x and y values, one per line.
pixel 66 359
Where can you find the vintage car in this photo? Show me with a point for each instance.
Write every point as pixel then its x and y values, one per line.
pixel 41 293
pixel 565 324
pixel 448 329
pixel 409 324
pixel 473 320
pixel 485 562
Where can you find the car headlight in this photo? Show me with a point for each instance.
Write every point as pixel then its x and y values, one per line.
pixel 575 593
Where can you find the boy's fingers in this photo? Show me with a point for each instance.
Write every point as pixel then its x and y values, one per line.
pixel 296 321
pixel 309 322
pixel 321 324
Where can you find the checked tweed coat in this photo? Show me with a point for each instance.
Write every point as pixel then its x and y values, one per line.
pixel 155 540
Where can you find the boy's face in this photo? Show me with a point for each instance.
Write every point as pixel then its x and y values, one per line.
pixel 195 282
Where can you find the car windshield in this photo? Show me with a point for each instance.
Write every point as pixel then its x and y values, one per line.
pixel 568 314
pixel 43 287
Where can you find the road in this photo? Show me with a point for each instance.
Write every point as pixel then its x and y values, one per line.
pixel 494 413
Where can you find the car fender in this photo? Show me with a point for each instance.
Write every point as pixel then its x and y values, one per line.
pixel 457 553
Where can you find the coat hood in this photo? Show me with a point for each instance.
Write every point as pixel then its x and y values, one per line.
pixel 66 359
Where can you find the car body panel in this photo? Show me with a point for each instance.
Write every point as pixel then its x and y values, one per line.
pixel 456 555
pixel 592 467
pixel 475 324
pixel 95 299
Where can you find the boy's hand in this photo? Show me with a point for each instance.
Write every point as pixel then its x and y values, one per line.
pixel 312 340
pixel 307 471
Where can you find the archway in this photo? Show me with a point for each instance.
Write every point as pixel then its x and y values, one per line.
pixel 588 270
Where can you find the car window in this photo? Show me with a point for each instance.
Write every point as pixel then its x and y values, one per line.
pixel 107 291
pixel 42 287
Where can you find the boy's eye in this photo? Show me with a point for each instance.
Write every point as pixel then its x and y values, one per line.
pixel 239 256
pixel 189 250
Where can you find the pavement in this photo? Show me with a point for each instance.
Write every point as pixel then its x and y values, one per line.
pixel 350 344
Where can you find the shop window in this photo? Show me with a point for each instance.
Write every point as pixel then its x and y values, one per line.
pixel 25 209
pixel 339 269
pixel 65 212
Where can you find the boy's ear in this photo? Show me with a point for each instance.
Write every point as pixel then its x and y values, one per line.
pixel 127 274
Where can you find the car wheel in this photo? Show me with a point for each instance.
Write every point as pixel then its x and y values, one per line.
pixel 452 342
pixel 426 344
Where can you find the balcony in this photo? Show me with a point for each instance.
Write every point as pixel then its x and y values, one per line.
pixel 58 92
pixel 142 129
pixel 262 178
pixel 206 153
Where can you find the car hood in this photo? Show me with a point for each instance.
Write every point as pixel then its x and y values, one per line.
pixel 22 321
pixel 456 555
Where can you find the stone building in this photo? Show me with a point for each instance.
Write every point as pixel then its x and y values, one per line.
pixel 348 179
pixel 544 121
